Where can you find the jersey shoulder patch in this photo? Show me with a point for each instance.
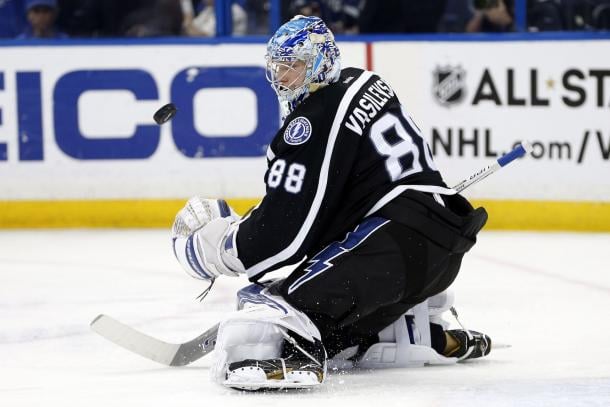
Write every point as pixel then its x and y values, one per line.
pixel 298 131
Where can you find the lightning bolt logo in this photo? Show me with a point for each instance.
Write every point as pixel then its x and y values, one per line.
pixel 322 261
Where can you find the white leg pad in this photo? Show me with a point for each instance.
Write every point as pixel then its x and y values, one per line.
pixel 396 348
pixel 257 331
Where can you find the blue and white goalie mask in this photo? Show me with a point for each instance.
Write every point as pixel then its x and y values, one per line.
pixel 301 57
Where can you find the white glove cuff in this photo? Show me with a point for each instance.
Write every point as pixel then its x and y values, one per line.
pixel 189 258
pixel 228 253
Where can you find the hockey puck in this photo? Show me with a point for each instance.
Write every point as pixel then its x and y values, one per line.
pixel 165 113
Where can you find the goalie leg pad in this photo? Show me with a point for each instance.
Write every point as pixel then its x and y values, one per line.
pixel 434 308
pixel 251 348
pixel 406 350
pixel 407 342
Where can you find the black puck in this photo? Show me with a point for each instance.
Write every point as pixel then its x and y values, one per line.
pixel 165 113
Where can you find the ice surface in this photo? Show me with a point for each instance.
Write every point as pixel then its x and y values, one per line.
pixel 548 295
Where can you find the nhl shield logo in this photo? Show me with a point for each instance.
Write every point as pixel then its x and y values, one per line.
pixel 298 131
pixel 449 87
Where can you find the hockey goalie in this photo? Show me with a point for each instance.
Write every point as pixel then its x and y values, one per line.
pixel 354 199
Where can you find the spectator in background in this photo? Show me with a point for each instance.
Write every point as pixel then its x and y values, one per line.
pixel 492 16
pixel 204 24
pixel 258 15
pixel 310 8
pixel 159 18
pixel 401 16
pixel 457 15
pixel 41 15
pixel 120 18
pixel 79 18
pixel 477 16
pixel 12 19
pixel 601 15
pixel 341 16
pixel 94 18
pixel 547 15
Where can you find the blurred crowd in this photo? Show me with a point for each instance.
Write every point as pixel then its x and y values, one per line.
pixel 154 18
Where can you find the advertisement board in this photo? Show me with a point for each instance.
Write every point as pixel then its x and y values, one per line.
pixel 77 121
pixel 78 145
pixel 474 101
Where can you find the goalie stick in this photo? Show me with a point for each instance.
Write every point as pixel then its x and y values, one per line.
pixel 168 354
pixel 182 354
pixel 519 151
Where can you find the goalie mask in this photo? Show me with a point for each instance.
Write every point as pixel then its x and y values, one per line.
pixel 301 57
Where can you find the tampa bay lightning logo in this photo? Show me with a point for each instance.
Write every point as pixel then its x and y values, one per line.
pixel 298 131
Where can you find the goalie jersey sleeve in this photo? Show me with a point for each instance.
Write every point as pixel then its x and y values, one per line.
pixel 326 169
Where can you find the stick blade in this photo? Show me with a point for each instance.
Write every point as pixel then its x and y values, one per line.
pixel 197 348
pixel 134 341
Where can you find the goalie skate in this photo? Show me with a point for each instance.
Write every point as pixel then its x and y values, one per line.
pixel 471 344
pixel 277 373
pixel 299 366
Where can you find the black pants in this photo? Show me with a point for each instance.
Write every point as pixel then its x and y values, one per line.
pixel 356 287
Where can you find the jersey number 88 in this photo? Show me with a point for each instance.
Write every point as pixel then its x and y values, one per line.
pixel 294 176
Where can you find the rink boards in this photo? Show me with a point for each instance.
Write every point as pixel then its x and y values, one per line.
pixel 78 146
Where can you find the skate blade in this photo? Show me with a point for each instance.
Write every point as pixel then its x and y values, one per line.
pixel 495 346
pixel 268 385
pixel 250 381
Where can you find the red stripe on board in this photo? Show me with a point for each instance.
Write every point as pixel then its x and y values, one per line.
pixel 369 56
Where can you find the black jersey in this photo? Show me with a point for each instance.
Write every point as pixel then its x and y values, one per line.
pixel 339 155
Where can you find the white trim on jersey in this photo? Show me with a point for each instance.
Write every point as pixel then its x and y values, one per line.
pixel 437 198
pixel 270 154
pixel 294 246
pixel 402 188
